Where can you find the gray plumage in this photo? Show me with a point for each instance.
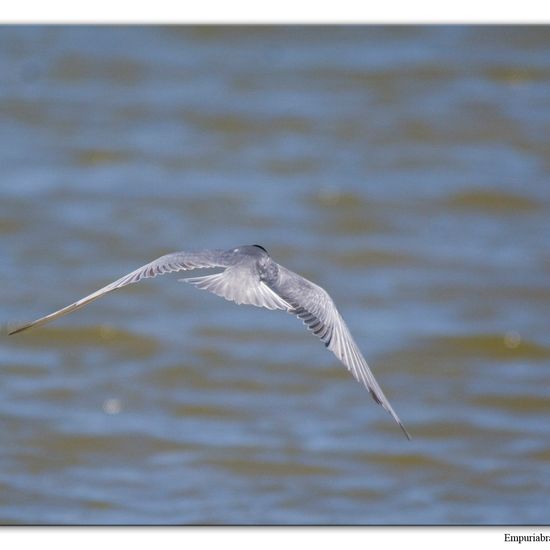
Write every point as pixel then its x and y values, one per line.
pixel 251 277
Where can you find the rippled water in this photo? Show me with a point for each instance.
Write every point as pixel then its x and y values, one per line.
pixel 404 169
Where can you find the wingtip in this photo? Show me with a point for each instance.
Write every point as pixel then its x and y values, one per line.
pixel 407 434
pixel 16 329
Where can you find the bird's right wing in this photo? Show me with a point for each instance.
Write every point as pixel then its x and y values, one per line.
pixel 177 261
pixel 313 305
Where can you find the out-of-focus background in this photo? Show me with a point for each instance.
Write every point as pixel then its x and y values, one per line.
pixel 405 169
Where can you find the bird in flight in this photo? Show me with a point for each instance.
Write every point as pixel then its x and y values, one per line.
pixel 251 277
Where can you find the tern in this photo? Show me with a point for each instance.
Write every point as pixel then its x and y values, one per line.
pixel 251 277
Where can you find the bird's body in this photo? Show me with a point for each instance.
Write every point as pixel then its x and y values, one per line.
pixel 251 277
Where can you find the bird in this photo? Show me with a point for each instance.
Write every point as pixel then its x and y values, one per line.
pixel 251 277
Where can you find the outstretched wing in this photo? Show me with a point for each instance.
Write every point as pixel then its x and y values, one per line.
pixel 177 261
pixel 315 308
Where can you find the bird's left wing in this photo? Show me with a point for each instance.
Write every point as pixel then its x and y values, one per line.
pixel 177 261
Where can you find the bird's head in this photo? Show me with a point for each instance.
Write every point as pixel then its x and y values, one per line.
pixel 250 249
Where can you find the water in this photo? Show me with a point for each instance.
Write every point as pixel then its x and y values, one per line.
pixel 404 169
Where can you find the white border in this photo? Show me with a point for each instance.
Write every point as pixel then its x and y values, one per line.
pixel 252 538
pixel 282 11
